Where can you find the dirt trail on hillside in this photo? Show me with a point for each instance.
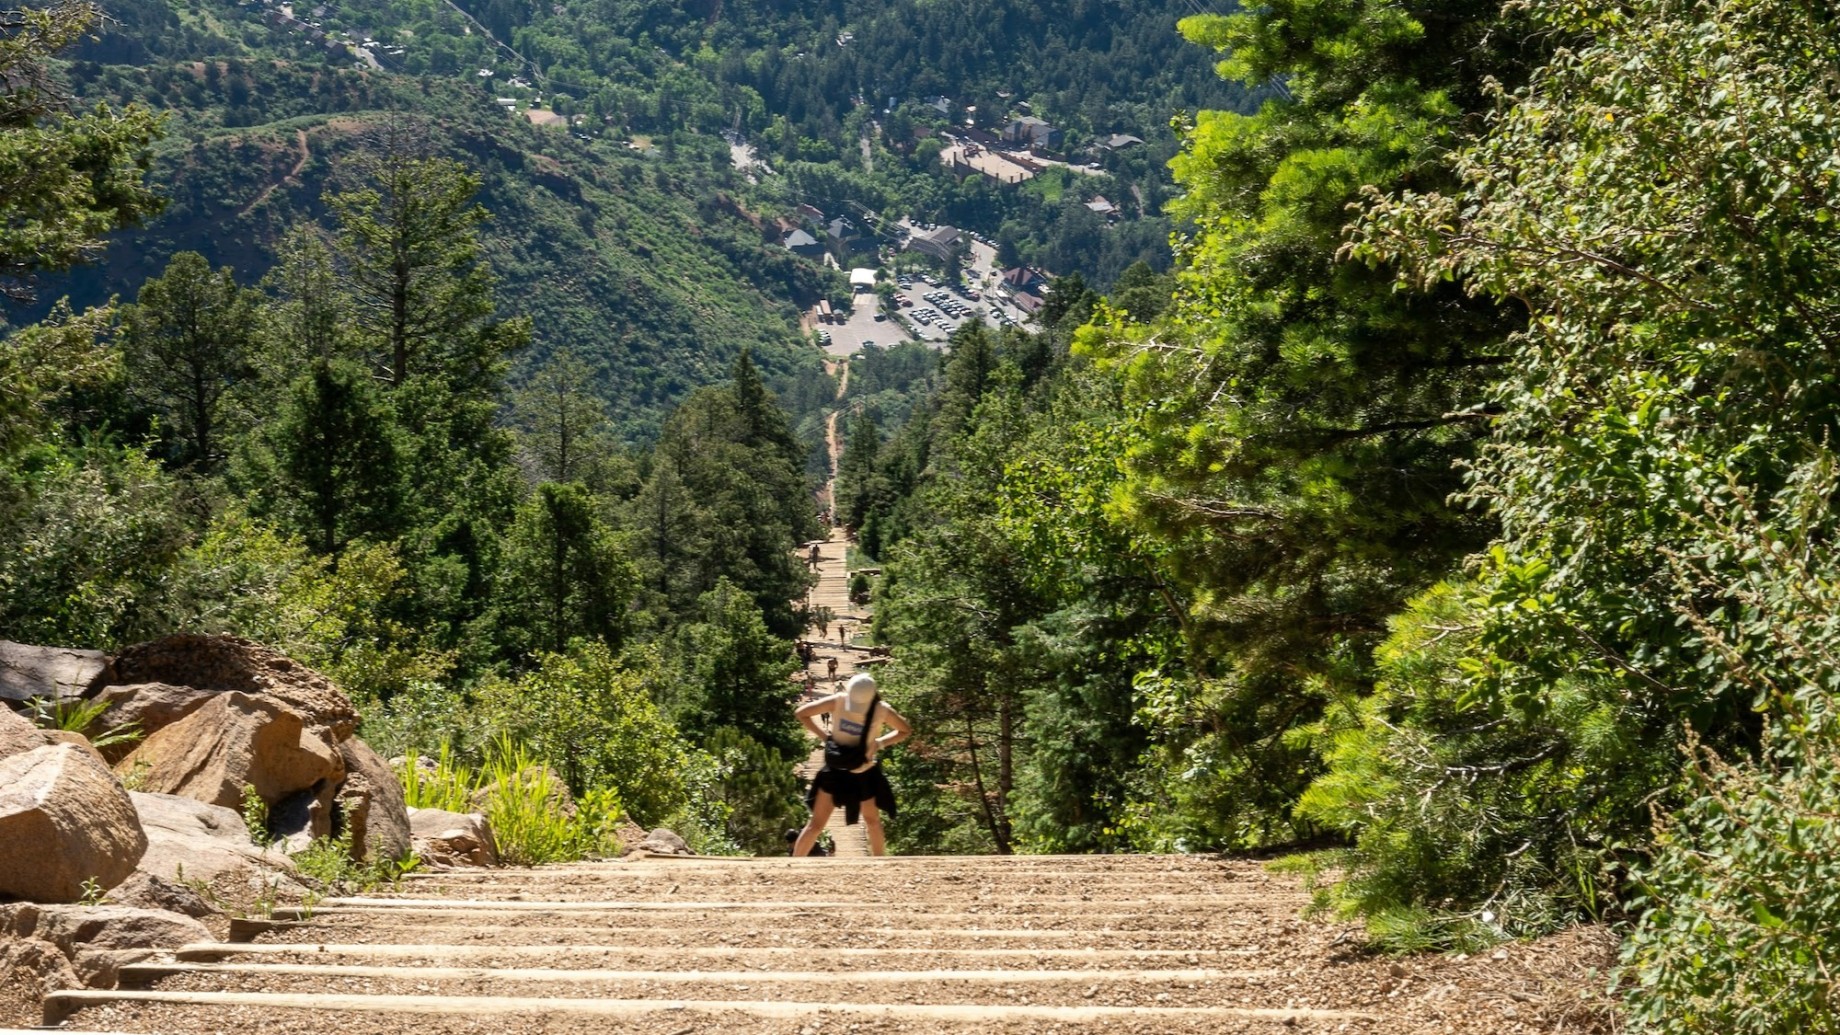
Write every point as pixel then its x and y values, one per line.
pixel 1106 945
pixel 306 155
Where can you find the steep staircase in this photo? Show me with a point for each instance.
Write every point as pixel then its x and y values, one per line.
pixel 975 945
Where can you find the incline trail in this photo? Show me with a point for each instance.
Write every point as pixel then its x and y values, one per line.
pixel 828 640
pixel 306 155
pixel 1092 945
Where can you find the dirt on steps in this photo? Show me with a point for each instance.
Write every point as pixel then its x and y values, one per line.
pixel 1114 944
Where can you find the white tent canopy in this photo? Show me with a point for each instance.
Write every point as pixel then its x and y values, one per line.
pixel 862 279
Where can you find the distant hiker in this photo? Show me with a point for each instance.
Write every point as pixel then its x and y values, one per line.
pixel 830 664
pixel 852 776
pixel 816 556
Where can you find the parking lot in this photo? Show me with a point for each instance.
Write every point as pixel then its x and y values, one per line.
pixel 862 326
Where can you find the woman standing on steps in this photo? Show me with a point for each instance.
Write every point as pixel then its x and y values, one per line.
pixel 851 777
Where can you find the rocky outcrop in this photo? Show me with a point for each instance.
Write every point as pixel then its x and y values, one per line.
pixel 233 741
pixel 664 841
pixel 372 804
pixel 193 841
pixel 71 927
pixel 453 838
pixel 17 734
pixel 35 968
pixel 143 890
pixel 64 820
pixel 227 663
pixel 149 706
pixel 98 940
pixel 54 673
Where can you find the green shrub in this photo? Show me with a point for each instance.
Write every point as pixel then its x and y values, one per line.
pixel 1469 824
pixel 1739 926
pixel 522 800
pixel 757 784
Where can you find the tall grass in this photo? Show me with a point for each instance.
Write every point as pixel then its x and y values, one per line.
pixel 522 801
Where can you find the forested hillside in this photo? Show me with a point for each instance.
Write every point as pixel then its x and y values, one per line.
pixel 622 229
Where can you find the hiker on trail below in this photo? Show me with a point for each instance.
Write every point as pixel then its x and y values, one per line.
pixel 852 776
pixel 830 664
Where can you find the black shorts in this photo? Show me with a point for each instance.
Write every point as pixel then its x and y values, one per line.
pixel 852 789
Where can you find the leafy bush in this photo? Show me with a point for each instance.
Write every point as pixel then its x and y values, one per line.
pixel 1468 824
pixel 1739 932
pixel 522 801
pixel 591 715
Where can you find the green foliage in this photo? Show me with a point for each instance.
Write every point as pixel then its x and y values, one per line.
pixel 736 674
pixel 91 543
pixel 78 716
pixel 187 340
pixel 65 179
pixel 564 574
pixel 328 861
pixel 591 717
pixel 1295 420
pixel 1737 914
pixel 757 786
pixel 522 800
pixel 1464 826
pixel 330 466
pixel 255 814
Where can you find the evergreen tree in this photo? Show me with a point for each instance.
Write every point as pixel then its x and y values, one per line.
pixel 564 427
pixel 737 673
pixel 422 295
pixel 188 339
pixel 564 575
pixel 65 180
pixel 1299 419
pixel 329 465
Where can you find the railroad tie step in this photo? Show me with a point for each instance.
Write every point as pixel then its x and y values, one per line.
pixel 61 1005
pixel 207 951
pixel 140 975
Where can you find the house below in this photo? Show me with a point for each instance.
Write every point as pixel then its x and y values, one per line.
pixel 1099 205
pixel 1029 131
pixel 862 279
pixel 799 242
pixel 1120 141
pixel 1024 279
pixel 937 243
pixel 1028 303
pixel 845 240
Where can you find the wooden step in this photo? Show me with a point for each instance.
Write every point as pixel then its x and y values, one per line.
pixel 60 1005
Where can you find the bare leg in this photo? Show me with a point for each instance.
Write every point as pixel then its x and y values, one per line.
pixel 872 818
pixel 820 815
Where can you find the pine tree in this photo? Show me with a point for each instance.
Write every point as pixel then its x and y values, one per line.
pixel 188 339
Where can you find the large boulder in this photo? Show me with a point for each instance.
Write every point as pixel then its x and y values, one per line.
pixel 453 838
pixel 100 939
pixel 664 841
pixel 191 841
pixel 72 928
pixel 227 663
pixel 235 740
pixel 63 821
pixel 17 734
pixel 149 706
pixel 55 673
pixel 143 890
pixel 372 805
